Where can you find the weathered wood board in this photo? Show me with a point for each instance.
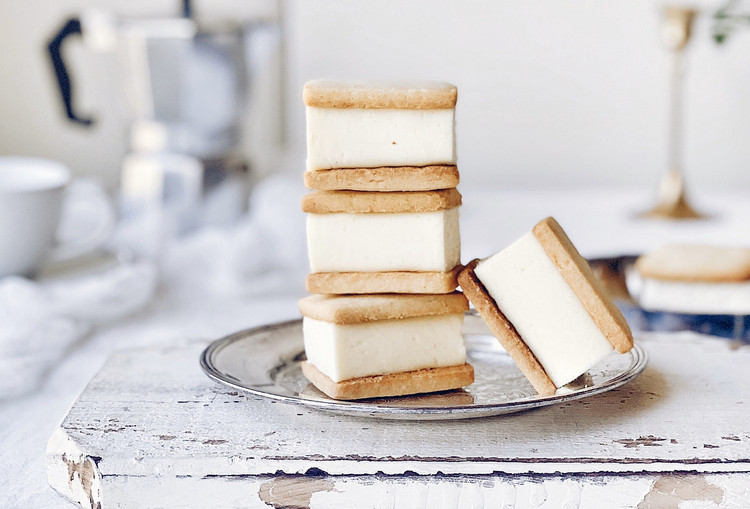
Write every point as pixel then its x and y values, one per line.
pixel 151 430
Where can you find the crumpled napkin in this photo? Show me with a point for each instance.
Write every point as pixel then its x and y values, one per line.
pixel 41 320
pixel 263 252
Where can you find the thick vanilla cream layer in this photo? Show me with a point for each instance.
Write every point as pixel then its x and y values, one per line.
pixel 367 138
pixel 343 352
pixel 414 241
pixel 690 297
pixel 529 289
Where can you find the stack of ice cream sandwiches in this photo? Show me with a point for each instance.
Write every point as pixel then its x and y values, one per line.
pixel 384 247
pixel 383 240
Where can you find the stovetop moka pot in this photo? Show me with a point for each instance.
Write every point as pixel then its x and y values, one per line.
pixel 187 76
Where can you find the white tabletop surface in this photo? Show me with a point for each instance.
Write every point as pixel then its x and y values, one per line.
pixel 185 309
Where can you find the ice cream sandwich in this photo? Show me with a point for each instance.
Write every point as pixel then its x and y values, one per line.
pixel 698 279
pixel 371 135
pixel 541 300
pixel 367 346
pixel 383 242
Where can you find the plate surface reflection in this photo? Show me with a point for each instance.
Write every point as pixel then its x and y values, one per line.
pixel 265 361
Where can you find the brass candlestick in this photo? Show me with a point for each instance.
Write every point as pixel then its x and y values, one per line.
pixel 671 199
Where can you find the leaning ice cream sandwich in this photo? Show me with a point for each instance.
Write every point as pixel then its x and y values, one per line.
pixel 541 300
pixel 390 242
pixel 367 346
pixel 698 279
pixel 380 136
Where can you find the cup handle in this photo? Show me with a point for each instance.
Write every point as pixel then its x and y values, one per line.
pixel 87 220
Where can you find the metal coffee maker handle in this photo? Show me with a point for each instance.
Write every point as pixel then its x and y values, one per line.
pixel 70 28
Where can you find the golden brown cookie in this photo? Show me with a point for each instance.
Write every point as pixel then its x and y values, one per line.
pixel 383 282
pixel 696 263
pixel 380 94
pixel 360 202
pixel 384 178
pixel 396 384
pixel 349 309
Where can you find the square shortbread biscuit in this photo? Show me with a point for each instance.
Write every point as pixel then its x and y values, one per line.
pixel 355 309
pixel 394 384
pixel 384 178
pixel 383 282
pixel 696 263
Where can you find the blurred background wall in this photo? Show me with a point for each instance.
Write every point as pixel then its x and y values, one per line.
pixel 551 92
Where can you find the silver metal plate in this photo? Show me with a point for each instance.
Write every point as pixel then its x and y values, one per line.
pixel 265 362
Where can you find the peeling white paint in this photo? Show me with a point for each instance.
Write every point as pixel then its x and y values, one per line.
pixel 170 437
pixel 72 473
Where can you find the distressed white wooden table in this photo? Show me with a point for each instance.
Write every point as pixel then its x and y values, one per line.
pixel 151 430
pixel 140 435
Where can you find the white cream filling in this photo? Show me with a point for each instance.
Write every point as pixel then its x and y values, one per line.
pixel 352 137
pixel 343 352
pixel 414 241
pixel 529 289
pixel 690 297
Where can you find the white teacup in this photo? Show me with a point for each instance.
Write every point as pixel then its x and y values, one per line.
pixel 32 192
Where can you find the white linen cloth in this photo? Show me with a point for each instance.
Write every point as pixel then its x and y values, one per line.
pixel 42 320
pixel 83 285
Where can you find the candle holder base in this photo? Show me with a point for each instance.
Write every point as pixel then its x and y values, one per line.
pixel 672 201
